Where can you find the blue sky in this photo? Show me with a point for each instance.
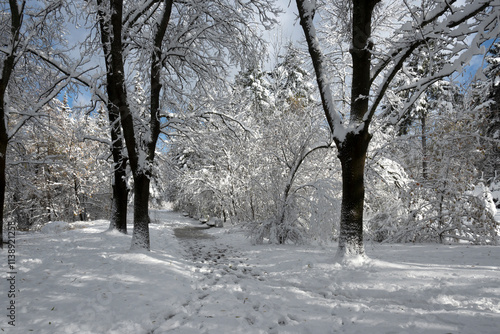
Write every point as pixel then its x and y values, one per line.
pixel 287 29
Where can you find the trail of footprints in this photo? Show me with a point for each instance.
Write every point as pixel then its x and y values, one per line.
pixel 215 261
pixel 220 267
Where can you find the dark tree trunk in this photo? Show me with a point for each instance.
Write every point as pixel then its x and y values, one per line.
pixel 352 155
pixel 143 174
pixel 424 147
pixel 7 68
pixel 120 189
pixel 140 236
pixel 111 37
pixel 118 219
pixel 3 152
pixel 116 98
pixel 352 150
pixel 353 145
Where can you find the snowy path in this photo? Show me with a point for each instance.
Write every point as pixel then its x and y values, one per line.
pixel 223 279
pixel 86 281
pixel 286 289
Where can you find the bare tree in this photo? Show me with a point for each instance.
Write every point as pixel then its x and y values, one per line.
pixel 28 31
pixel 373 70
pixel 172 46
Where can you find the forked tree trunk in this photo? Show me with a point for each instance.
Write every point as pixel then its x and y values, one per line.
pixel 352 150
pixel 143 174
pixel 117 99
pixel 353 145
pixel 352 140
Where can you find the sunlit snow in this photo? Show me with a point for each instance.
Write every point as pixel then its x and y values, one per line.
pixel 85 280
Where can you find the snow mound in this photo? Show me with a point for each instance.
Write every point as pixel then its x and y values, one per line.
pixel 87 281
pixel 484 194
pixel 352 261
pixel 55 227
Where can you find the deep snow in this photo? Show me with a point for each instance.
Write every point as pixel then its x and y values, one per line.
pixel 85 280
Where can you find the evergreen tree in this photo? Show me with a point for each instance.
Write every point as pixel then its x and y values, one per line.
pixel 490 128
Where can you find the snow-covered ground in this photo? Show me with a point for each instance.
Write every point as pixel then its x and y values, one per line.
pixel 85 280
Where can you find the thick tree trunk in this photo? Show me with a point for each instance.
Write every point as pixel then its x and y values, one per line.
pixel 7 68
pixel 118 219
pixel 3 156
pixel 353 148
pixel 111 37
pixel 143 174
pixel 117 98
pixel 140 234
pixel 352 155
pixel 140 237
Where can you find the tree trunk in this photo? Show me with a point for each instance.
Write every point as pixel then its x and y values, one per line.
pixel 143 174
pixel 352 155
pixel 424 147
pixel 78 204
pixel 3 156
pixel 111 38
pixel 7 68
pixel 118 219
pixel 116 99
pixel 352 150
pixel 140 237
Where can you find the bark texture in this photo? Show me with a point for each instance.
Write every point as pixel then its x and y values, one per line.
pixel 3 156
pixel 7 69
pixel 140 237
pixel 353 145
pixel 352 155
pixel 120 189
pixel 352 150
pixel 112 40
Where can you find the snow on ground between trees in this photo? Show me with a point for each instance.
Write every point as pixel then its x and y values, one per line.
pixel 85 280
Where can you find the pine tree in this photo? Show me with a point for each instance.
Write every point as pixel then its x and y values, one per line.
pixel 491 120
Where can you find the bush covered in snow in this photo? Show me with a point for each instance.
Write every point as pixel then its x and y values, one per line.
pixel 55 227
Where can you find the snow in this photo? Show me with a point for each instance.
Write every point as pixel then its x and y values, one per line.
pixel 55 227
pixel 85 280
pixel 484 194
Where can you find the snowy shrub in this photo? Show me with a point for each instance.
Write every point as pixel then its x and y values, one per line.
pixel 495 193
pixel 483 195
pixel 54 174
pixel 450 218
pixel 55 227
pixel 429 197
pixel 257 157
pixel 312 213
pixel 321 209
pixel 277 232
pixel 386 186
